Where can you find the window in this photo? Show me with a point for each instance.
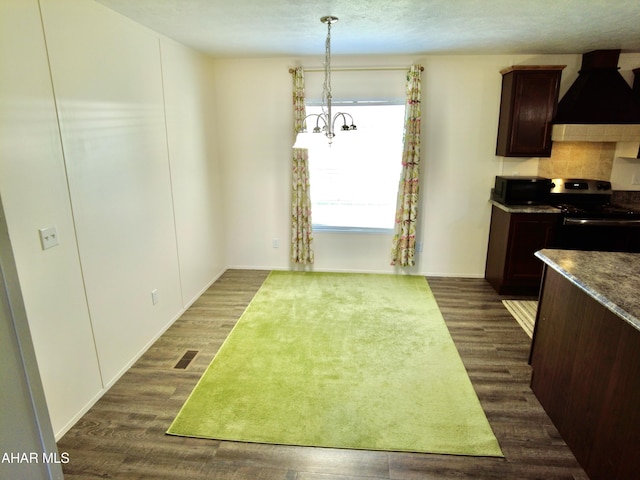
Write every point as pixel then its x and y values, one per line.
pixel 354 182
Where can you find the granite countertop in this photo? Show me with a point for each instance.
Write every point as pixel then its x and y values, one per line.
pixel 525 208
pixel 611 278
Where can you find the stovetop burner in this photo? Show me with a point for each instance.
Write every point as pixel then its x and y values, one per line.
pixel 587 198
pixel 594 210
pixel 619 210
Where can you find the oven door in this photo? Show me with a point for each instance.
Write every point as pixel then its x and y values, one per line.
pixel 605 234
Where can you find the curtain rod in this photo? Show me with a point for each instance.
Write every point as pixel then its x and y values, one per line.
pixel 352 69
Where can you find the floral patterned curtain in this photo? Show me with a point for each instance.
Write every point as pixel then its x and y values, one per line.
pixel 301 231
pixel 404 238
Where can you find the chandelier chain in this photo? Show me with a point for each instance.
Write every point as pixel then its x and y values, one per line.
pixel 326 88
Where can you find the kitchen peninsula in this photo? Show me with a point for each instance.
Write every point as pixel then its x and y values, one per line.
pixel 585 356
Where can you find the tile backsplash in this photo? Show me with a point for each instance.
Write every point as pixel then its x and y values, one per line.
pixel 579 160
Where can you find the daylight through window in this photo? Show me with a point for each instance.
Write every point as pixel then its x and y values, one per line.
pixel 354 182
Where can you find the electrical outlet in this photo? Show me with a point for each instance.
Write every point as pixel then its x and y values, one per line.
pixel 275 243
pixel 636 178
pixel 418 247
pixel 48 237
pixel 154 296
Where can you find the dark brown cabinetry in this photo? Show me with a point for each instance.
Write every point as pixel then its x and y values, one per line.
pixel 636 89
pixel 586 370
pixel 511 265
pixel 527 106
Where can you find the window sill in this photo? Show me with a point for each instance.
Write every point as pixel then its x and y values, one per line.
pixel 365 230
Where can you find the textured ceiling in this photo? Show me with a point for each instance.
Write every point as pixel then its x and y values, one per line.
pixel 244 28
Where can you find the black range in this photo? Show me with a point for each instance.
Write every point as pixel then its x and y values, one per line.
pixel 588 219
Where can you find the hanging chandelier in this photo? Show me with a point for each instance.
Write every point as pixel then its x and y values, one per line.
pixel 325 121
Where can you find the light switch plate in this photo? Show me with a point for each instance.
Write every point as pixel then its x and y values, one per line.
pixel 48 237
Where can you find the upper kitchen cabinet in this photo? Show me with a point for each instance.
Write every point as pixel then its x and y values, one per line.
pixel 527 106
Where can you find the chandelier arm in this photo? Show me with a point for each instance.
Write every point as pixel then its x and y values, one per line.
pixel 344 116
pixel 335 117
pixel 318 117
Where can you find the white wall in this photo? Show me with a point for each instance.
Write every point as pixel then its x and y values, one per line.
pixel 134 192
pixel 109 95
pixel 195 173
pixel 460 110
pixel 33 186
pixel 255 135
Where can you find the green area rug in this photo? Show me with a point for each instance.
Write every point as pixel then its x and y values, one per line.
pixel 340 360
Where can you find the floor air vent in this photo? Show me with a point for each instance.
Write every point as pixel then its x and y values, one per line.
pixel 186 359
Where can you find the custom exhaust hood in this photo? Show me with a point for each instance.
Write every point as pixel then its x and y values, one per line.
pixel 600 106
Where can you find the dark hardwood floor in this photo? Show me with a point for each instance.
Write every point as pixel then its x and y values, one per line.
pixel 123 435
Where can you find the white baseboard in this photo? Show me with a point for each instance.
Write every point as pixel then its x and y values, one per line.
pixel 60 433
pixel 204 289
pixel 398 271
